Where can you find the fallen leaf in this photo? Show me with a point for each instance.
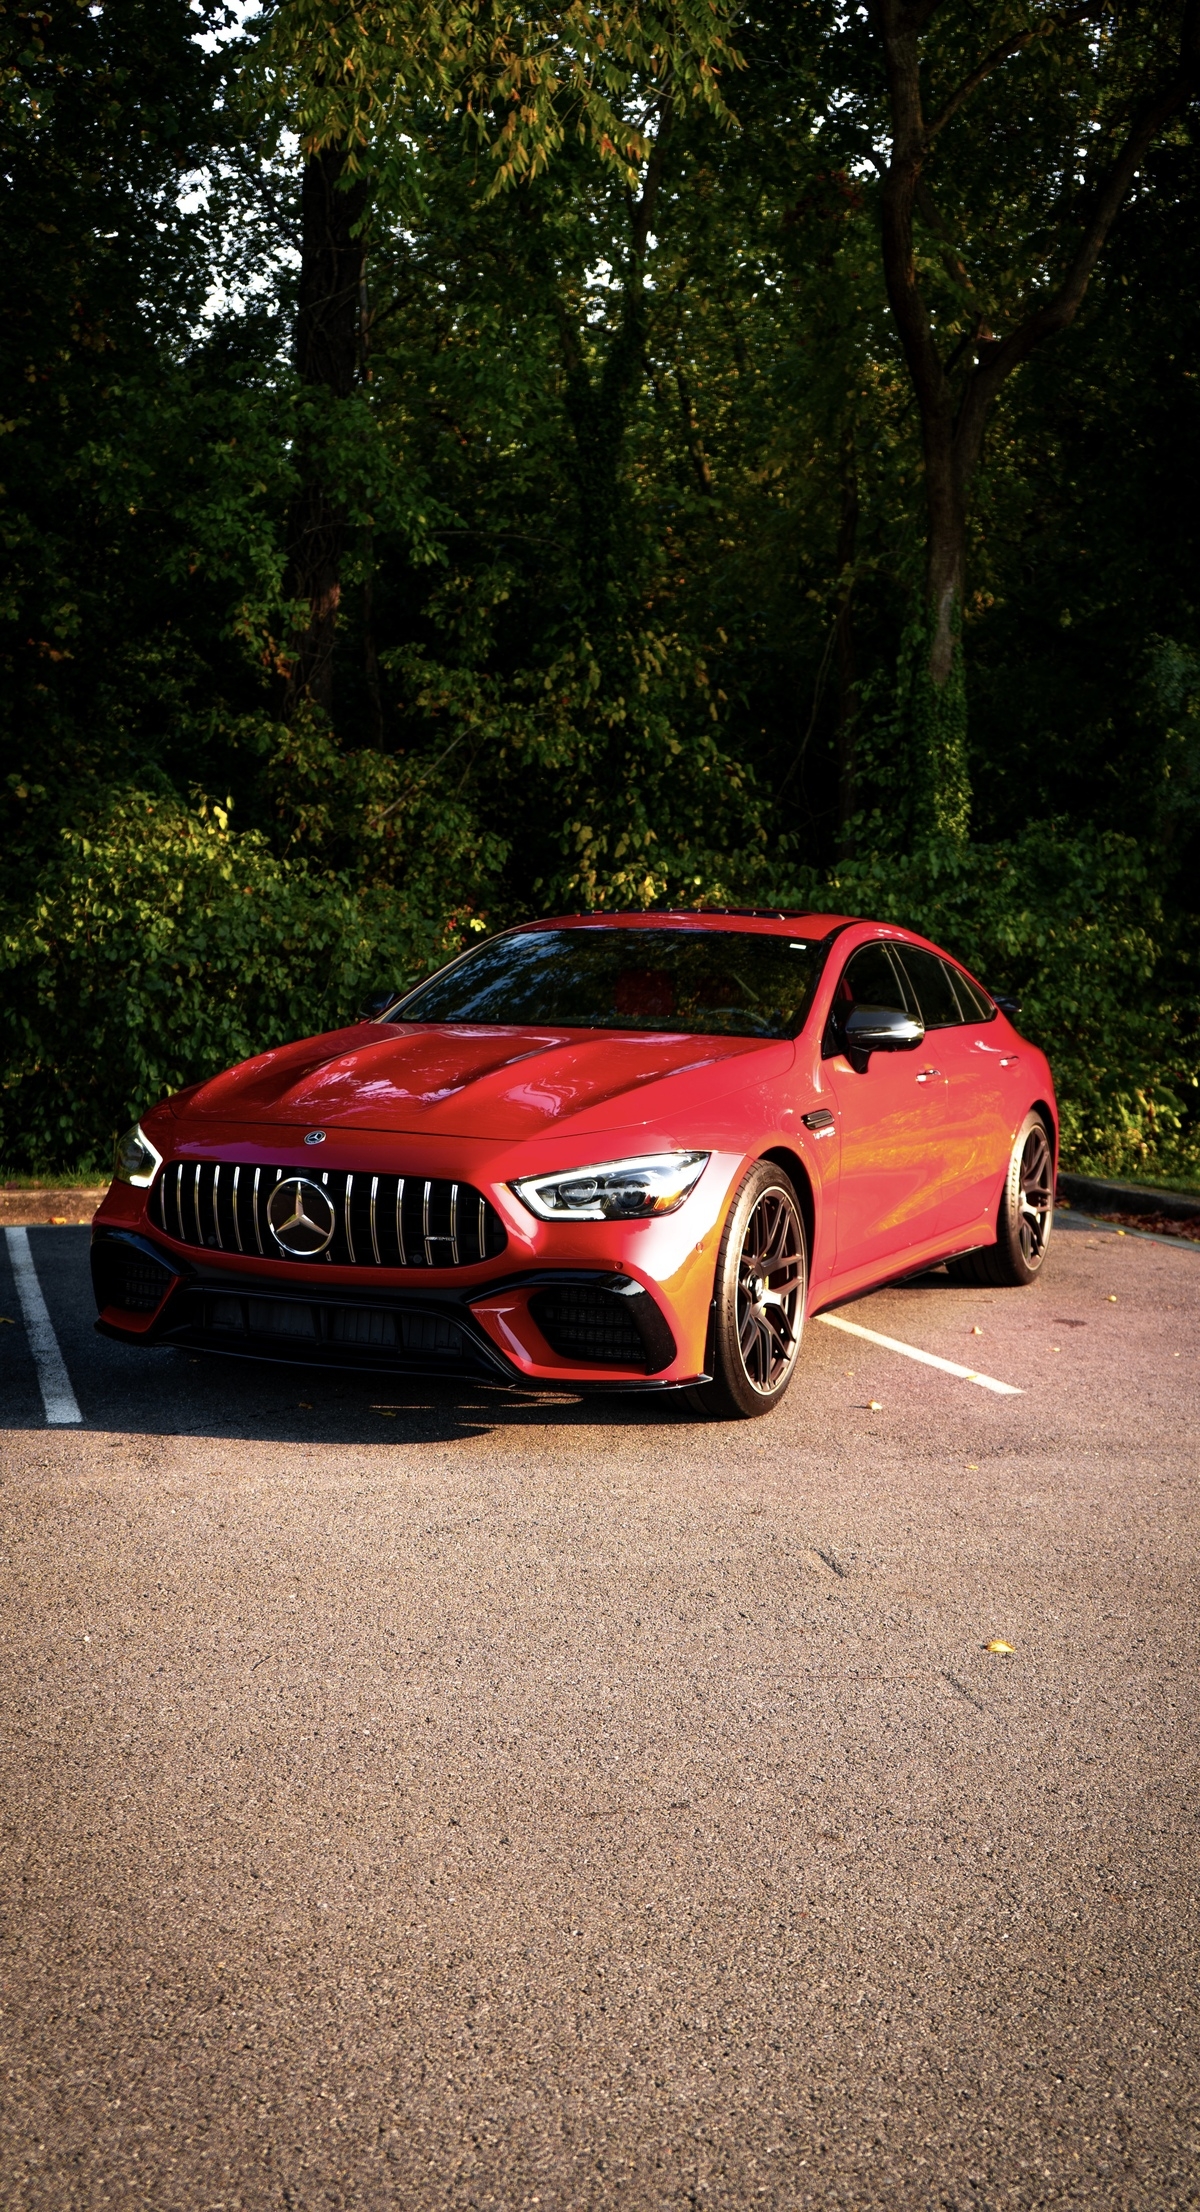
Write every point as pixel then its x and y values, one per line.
pixel 1112 1297
pixel 59 1221
pixel 8 1321
pixel 875 1405
pixel 304 1405
pixel 386 1411
pixel 1056 1347
pixel 998 1644
pixel 972 1469
pixel 977 1331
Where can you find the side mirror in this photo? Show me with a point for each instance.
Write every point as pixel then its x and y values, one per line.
pixel 377 1005
pixel 881 1029
pixel 1009 1006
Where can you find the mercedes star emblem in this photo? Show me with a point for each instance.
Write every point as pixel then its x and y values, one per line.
pixel 315 1136
pixel 300 1217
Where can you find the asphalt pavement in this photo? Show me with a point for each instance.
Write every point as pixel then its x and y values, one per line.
pixel 435 1798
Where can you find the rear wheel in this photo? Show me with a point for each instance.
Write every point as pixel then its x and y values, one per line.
pixel 759 1298
pixel 1025 1219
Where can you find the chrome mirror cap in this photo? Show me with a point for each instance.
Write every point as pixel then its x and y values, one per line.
pixel 881 1029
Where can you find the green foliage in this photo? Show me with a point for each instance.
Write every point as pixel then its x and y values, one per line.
pixel 161 944
pixel 527 84
pixel 1073 925
pixel 913 747
pixel 633 496
pixel 936 721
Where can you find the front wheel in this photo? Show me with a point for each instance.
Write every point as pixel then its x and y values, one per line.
pixel 1025 1219
pixel 758 1303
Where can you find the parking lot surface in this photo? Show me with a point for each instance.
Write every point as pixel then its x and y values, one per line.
pixel 429 1797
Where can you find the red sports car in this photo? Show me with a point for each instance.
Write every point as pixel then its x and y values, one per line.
pixel 626 1151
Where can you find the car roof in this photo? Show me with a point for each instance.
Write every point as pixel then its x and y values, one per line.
pixel 770 921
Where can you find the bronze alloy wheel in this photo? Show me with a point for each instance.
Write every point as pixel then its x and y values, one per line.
pixel 758 1302
pixel 1025 1218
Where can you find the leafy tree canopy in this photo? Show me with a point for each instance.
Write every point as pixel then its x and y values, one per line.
pixel 463 461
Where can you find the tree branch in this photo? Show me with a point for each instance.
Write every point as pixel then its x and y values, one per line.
pixel 643 209
pixel 251 170
pixel 899 29
pixel 1060 310
pixel 930 213
pixel 1004 52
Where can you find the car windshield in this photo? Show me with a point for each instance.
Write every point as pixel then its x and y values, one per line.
pixel 724 983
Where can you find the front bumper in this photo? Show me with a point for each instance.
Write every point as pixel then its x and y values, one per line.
pixel 568 1327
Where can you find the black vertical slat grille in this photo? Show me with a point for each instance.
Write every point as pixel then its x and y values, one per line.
pixel 379 1220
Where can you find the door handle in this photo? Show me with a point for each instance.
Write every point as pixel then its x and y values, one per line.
pixel 1011 1060
pixel 927 1075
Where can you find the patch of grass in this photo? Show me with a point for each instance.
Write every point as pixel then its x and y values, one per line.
pixel 81 1179
pixel 1187 1185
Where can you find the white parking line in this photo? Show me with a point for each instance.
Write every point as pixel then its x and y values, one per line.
pixel 57 1395
pixel 927 1359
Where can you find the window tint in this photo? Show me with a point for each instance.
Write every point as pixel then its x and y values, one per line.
pixel 976 1005
pixel 931 980
pixel 869 979
pixel 733 983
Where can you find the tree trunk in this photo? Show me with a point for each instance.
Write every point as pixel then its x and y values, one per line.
pixel 328 358
pixel 953 402
pixel 598 408
pixel 847 665
pixel 940 775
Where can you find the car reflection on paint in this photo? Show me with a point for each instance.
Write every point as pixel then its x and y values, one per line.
pixel 604 1151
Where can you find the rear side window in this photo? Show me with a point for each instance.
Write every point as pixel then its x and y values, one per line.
pixel 976 1005
pixel 934 988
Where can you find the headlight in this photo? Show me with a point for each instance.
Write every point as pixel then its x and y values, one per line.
pixel 136 1159
pixel 617 1190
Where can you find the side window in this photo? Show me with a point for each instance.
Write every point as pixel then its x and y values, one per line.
pixel 870 979
pixel 976 1005
pixel 931 981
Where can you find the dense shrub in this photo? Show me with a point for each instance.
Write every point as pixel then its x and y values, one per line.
pixel 1072 924
pixel 160 946
pixel 163 945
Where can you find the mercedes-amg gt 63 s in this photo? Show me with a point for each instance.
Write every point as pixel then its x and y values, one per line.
pixel 624 1151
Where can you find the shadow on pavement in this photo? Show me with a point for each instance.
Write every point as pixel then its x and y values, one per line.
pixel 170 1392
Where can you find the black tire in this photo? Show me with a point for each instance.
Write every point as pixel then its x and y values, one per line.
pixel 1025 1219
pixel 759 1297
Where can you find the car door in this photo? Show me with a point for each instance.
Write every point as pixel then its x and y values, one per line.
pixel 974 1065
pixel 891 1120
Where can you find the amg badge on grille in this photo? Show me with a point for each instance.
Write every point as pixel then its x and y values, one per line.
pixel 300 1217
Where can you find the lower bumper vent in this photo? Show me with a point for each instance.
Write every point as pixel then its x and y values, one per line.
pixel 586 1324
pixel 295 1324
pixel 128 1279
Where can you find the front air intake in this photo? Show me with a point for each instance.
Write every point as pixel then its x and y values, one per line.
pixel 589 1326
pixel 127 1277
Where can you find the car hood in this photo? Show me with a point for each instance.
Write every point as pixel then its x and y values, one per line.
pixel 502 1084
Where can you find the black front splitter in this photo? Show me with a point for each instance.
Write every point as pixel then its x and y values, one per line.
pixel 514 1383
pixel 201 1297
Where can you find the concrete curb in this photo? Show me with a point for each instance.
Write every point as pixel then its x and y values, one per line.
pixel 1127 1198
